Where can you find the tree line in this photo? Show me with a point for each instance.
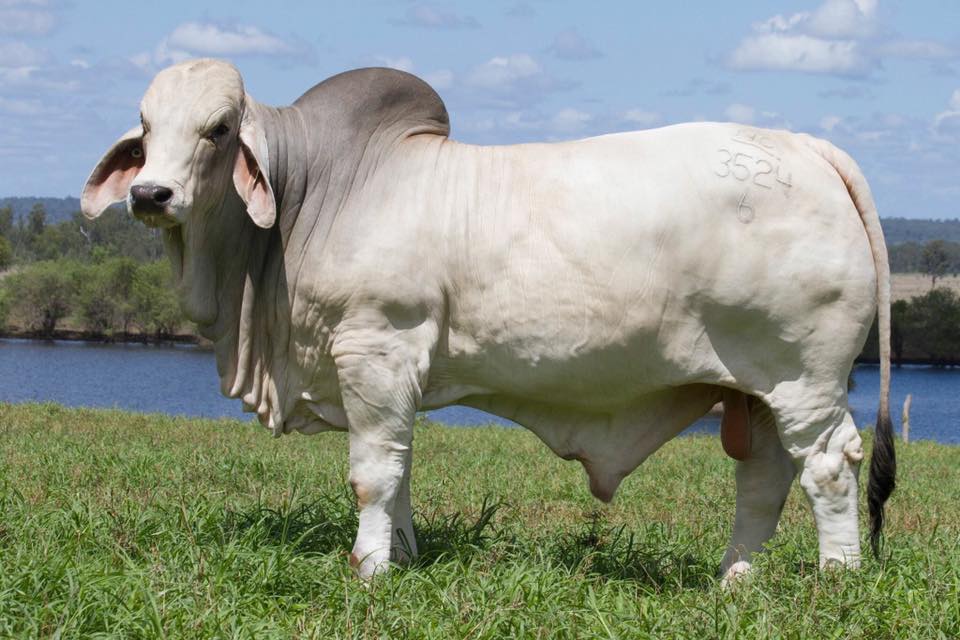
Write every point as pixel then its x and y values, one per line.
pixel 924 329
pixel 107 278
pixel 936 258
pixel 110 278
pixel 111 297
pixel 115 233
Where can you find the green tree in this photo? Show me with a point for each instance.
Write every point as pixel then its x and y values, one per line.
pixel 105 297
pixel 6 221
pixel 4 307
pixel 935 260
pixel 119 234
pixel 931 325
pixel 41 295
pixel 155 302
pixel 899 321
pixel 36 220
pixel 62 240
pixel 6 253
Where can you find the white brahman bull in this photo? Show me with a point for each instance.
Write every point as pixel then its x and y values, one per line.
pixel 354 265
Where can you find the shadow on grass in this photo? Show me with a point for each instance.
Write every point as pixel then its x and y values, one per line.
pixel 322 526
pixel 615 553
pixel 329 524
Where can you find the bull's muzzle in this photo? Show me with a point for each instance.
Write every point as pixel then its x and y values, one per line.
pixel 149 204
pixel 150 198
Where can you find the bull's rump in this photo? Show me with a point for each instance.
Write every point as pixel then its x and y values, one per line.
pixel 612 266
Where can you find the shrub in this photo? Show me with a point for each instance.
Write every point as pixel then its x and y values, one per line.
pixel 104 299
pixel 4 307
pixel 155 304
pixel 41 295
pixel 932 325
pixel 6 253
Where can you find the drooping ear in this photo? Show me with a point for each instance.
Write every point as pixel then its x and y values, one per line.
pixel 111 179
pixel 250 173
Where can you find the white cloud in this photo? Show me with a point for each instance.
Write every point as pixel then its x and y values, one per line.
pixel 511 81
pixel 844 18
pixel 920 49
pixel 741 113
pixel 22 107
pixel 946 124
pixel 433 17
pixel 570 119
pixel 193 39
pixel 783 52
pixel 401 63
pixel 570 45
pixel 17 55
pixel 641 117
pixel 829 123
pixel 440 79
pixel 212 39
pixel 26 18
pixel 838 37
pixel 827 40
pixel 504 71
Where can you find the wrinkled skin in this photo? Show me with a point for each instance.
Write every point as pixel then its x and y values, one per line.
pixel 353 266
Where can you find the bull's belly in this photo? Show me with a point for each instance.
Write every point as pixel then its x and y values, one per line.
pixel 581 372
pixel 609 443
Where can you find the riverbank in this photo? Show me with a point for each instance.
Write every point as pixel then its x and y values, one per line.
pixel 144 525
pixel 77 335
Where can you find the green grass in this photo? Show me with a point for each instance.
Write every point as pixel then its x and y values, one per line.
pixel 123 525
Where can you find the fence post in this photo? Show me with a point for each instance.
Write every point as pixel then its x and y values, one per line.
pixel 905 431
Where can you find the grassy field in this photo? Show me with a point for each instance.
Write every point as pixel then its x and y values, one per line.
pixel 122 525
pixel 904 286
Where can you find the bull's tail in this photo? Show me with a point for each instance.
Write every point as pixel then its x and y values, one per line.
pixel 883 462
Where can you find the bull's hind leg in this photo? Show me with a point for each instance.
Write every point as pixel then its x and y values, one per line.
pixel 763 482
pixel 827 450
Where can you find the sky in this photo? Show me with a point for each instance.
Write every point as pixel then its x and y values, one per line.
pixel 880 78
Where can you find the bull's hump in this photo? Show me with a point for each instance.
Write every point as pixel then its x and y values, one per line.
pixel 375 97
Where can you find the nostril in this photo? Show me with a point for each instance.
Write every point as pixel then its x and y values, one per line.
pixel 162 194
pixel 149 196
pixel 140 193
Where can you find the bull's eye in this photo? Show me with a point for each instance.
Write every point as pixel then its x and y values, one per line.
pixel 136 152
pixel 221 130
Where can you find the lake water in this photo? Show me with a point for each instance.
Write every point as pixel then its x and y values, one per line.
pixel 182 380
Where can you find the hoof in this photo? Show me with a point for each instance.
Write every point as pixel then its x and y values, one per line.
pixel 736 573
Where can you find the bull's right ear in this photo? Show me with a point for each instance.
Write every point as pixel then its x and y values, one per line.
pixel 111 179
pixel 250 176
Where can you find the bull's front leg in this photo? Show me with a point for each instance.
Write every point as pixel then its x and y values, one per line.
pixel 377 470
pixel 380 385
pixel 404 544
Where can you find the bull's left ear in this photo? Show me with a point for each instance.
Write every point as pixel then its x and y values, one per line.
pixel 110 180
pixel 250 173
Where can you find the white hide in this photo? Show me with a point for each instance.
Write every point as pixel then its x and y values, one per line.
pixel 599 292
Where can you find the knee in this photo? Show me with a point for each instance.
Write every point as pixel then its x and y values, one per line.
pixel 834 459
pixel 362 491
pixel 372 491
pixel 824 473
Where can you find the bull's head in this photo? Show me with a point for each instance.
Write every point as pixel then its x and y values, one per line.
pixel 195 135
pixel 199 146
